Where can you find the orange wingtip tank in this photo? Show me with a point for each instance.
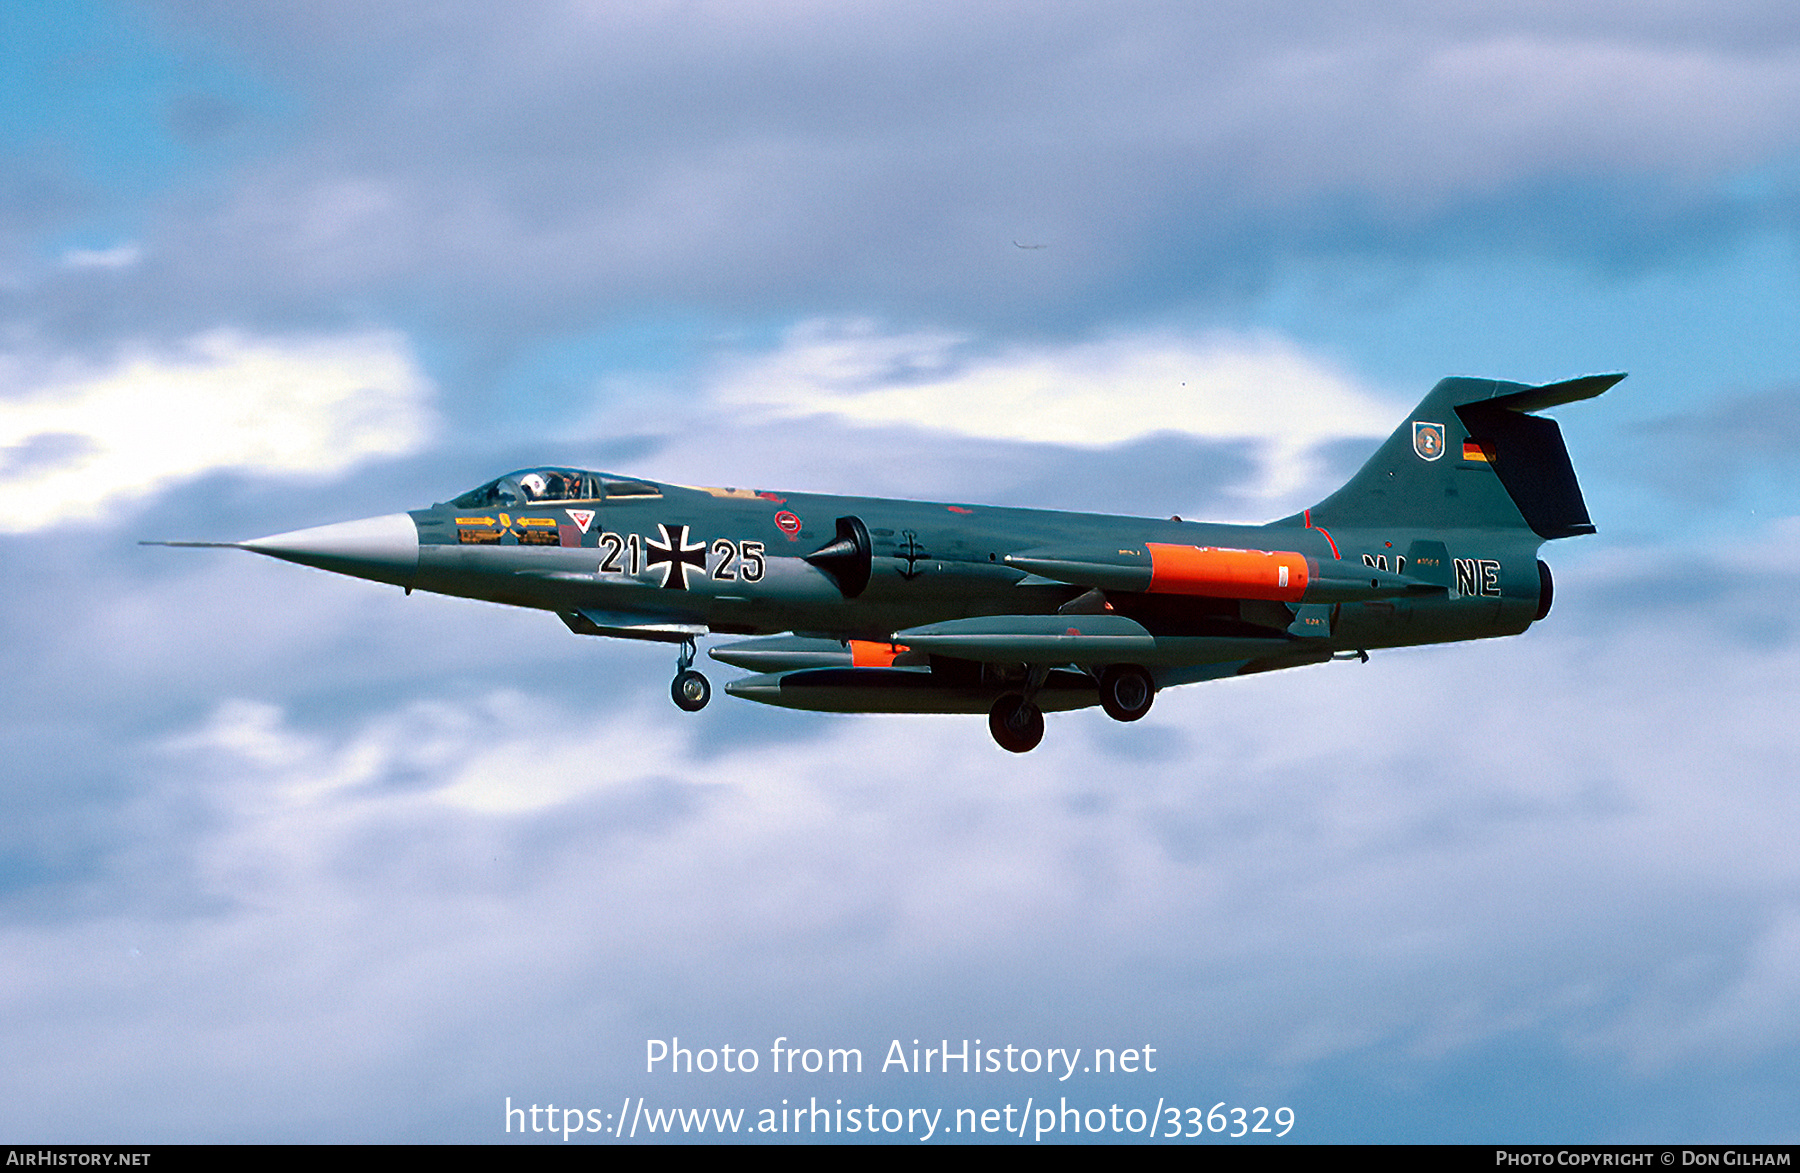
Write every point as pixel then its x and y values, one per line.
pixel 1229 574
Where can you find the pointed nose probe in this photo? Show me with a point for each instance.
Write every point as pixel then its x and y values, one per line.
pixel 384 549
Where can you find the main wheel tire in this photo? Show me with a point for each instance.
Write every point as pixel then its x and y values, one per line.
pixel 1016 723
pixel 690 691
pixel 1126 691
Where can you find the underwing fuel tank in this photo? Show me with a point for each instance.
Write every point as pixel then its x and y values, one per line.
pixel 792 653
pixel 1035 639
pixel 901 690
pixel 1160 568
pixel 1088 640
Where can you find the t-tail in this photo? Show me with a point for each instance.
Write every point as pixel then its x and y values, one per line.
pixel 1471 456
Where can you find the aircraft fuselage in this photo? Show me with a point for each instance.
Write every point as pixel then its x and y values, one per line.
pixel 735 562
pixel 917 606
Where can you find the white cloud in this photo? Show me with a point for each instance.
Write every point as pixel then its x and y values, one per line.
pixel 1222 386
pixel 78 444
pixel 121 256
pixel 1089 394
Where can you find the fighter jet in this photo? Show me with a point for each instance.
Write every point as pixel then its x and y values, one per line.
pixel 867 605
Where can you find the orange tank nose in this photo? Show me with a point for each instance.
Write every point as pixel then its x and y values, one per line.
pixel 868 654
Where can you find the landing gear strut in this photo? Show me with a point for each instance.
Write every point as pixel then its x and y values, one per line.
pixel 690 690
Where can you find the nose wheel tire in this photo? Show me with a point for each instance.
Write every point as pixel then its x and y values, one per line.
pixel 690 691
pixel 1126 691
pixel 1016 723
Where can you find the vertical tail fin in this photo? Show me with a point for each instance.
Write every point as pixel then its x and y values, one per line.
pixel 1472 455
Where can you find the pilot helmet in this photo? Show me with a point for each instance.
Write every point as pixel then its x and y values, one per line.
pixel 533 484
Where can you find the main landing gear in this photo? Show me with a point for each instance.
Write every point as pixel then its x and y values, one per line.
pixel 1016 723
pixel 1015 720
pixel 1126 691
pixel 690 690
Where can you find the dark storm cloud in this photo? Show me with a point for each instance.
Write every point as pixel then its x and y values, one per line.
pixel 521 174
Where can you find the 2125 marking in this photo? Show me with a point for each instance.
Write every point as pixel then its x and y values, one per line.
pixel 732 560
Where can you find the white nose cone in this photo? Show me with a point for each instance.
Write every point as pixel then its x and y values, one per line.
pixel 385 548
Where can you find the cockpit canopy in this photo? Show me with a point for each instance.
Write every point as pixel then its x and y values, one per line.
pixel 529 486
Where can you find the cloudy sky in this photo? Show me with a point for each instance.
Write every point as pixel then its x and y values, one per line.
pixel 285 856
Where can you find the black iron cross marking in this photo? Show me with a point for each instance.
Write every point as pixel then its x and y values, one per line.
pixel 912 552
pixel 675 555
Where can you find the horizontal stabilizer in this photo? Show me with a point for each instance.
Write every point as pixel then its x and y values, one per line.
pixel 1554 394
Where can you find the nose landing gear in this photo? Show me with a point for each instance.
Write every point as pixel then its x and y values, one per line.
pixel 690 690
